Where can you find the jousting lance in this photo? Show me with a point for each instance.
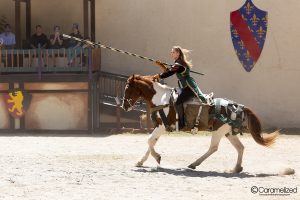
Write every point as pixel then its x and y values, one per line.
pixel 119 50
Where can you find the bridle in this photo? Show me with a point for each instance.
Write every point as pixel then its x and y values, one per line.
pixel 128 100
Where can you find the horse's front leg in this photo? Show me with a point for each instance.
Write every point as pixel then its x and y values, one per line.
pixel 145 157
pixel 157 132
pixel 215 140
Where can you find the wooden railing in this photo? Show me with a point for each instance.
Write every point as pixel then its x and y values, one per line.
pixel 112 84
pixel 49 60
pixel 111 87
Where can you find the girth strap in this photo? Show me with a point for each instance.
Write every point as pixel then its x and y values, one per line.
pixel 164 117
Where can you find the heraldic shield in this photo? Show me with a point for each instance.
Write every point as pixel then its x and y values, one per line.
pixel 17 102
pixel 248 32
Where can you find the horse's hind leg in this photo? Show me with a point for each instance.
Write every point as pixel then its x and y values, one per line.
pixel 157 132
pixel 235 141
pixel 215 140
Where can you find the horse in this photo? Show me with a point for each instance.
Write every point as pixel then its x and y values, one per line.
pixel 157 94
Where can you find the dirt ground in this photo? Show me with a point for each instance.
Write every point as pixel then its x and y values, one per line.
pixel 102 167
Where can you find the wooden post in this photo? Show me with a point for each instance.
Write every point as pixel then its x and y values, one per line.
pixel 18 22
pixel 93 18
pixel 86 18
pixel 28 20
pixel 118 109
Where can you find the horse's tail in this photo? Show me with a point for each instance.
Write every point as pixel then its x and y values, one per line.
pixel 254 126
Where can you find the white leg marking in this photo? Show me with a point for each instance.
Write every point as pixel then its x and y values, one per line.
pixel 153 138
pixel 145 157
pixel 235 141
pixel 215 140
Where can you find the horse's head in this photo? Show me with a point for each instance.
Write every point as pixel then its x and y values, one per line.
pixel 137 87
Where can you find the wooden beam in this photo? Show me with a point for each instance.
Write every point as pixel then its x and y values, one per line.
pixel 18 22
pixel 85 18
pixel 93 20
pixel 28 19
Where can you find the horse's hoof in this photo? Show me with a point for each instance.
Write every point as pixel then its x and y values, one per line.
pixel 237 170
pixel 139 164
pixel 194 131
pixel 191 166
pixel 158 159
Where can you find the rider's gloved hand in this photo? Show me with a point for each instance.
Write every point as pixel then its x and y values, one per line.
pixel 162 66
pixel 158 62
pixel 156 77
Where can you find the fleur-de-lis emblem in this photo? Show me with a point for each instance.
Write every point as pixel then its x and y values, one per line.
pixel 265 20
pixel 235 33
pixel 241 44
pixel 260 32
pixel 247 55
pixel 254 19
pixel 248 8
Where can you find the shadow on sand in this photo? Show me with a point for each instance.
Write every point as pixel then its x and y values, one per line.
pixel 202 174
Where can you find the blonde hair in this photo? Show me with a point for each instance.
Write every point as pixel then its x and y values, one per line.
pixel 183 55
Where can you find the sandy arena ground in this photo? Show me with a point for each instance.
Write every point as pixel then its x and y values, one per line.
pixel 102 167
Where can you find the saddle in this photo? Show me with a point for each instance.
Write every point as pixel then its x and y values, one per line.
pixel 195 111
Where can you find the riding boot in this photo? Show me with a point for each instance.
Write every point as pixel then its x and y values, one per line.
pixel 180 111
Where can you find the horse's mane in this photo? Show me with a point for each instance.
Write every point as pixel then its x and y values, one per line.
pixel 147 79
pixel 144 83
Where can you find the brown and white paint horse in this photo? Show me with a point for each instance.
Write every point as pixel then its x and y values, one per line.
pixel 157 94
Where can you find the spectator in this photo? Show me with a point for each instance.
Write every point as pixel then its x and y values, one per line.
pixel 7 38
pixel 73 45
pixel 75 33
pixel 39 39
pixel 56 39
pixel 88 44
pixel 1 43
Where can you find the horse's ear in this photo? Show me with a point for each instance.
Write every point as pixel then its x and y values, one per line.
pixel 131 80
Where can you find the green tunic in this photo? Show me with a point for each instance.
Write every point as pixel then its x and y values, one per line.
pixel 185 80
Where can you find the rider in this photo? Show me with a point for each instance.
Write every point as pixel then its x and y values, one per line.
pixel 188 85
